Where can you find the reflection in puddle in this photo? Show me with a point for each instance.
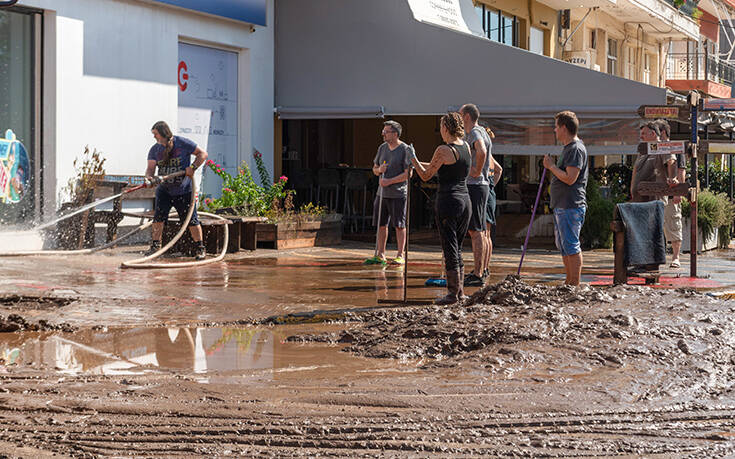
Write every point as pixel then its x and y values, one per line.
pixel 256 351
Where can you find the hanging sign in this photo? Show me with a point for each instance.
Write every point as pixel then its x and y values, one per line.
pixel 662 148
pixel 718 104
pixel 250 11
pixel 664 111
pixel 707 146
pixel 14 169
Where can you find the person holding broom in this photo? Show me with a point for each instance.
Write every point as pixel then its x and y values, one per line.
pixel 568 193
pixel 451 164
pixel 391 164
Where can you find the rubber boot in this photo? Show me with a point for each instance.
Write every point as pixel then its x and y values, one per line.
pixel 454 283
pixel 460 290
pixel 201 251
pixel 155 247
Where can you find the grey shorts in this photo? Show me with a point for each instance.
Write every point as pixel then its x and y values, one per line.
pixel 393 211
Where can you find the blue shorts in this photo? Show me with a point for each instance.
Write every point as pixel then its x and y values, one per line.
pixel 567 225
pixel 165 201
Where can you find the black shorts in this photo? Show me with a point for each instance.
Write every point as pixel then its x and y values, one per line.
pixel 393 211
pixel 491 205
pixel 165 201
pixel 478 198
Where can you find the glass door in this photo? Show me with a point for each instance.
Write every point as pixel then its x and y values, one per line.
pixel 18 168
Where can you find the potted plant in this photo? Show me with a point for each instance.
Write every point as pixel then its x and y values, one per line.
pixel 715 215
pixel 281 225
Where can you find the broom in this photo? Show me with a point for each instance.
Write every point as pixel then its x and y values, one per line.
pixel 375 259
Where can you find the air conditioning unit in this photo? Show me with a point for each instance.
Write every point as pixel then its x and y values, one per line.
pixel 580 58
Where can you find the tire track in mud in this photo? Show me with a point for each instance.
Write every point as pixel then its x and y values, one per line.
pixel 216 429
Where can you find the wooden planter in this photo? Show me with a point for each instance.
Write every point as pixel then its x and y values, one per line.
pixel 326 230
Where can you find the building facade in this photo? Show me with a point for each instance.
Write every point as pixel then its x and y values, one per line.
pixel 99 73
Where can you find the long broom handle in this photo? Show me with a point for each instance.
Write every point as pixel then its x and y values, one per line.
pixel 380 208
pixel 533 215
pixel 408 223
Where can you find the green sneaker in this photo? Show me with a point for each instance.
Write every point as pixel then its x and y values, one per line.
pixel 398 261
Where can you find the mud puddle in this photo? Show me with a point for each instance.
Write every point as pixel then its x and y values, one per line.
pixel 239 352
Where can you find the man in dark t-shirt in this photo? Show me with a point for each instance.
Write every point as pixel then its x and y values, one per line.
pixel 568 193
pixel 172 154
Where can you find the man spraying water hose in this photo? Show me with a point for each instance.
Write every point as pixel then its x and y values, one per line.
pixel 172 154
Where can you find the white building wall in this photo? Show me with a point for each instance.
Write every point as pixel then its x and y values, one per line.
pixel 115 74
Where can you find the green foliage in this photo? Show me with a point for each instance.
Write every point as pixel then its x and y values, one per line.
pixel 596 232
pixel 714 210
pixel 88 168
pixel 242 195
pixel 719 177
pixel 616 176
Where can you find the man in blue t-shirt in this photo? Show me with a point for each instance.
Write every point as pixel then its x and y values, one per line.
pixel 568 193
pixel 173 154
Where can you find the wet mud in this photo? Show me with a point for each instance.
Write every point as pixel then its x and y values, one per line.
pixel 680 343
pixel 518 370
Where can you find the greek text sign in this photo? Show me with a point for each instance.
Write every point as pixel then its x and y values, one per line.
pixel 663 111
pixel 662 148
pixel 250 11
pixel 458 15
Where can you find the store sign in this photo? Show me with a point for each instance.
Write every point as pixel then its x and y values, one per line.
pixel 457 15
pixel 580 58
pixel 663 111
pixel 250 11
pixel 662 148
pixel 718 104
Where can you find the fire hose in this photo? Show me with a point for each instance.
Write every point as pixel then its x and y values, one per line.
pixel 141 263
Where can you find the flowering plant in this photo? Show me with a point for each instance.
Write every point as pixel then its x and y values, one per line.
pixel 241 193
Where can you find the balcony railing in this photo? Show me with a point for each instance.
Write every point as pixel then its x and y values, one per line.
pixel 688 7
pixel 682 66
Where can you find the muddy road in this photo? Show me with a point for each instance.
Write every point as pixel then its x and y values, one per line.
pixel 520 369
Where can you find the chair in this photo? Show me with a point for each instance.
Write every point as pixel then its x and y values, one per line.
pixel 355 182
pixel 328 182
pixel 303 180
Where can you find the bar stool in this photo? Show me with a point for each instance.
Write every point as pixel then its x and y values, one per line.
pixel 329 183
pixel 355 182
pixel 303 180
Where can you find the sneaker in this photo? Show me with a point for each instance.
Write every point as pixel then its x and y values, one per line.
pixel 201 253
pixel 472 280
pixel 485 274
pixel 155 247
pixel 398 261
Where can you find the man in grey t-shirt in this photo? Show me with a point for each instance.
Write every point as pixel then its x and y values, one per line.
pixel 568 193
pixel 391 163
pixel 478 186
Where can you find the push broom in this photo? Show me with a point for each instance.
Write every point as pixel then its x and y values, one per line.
pixel 533 215
pixel 375 259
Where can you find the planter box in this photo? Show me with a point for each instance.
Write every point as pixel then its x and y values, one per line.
pixel 309 233
pixel 702 245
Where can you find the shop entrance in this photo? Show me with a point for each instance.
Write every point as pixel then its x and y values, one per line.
pixel 208 107
pixel 19 157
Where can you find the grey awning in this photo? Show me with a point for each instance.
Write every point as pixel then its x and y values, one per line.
pixel 289 113
pixel 374 53
pixel 540 150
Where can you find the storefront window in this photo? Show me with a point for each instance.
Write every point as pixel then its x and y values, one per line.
pixel 16 113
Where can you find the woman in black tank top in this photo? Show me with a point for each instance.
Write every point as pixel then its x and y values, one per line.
pixel 451 163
